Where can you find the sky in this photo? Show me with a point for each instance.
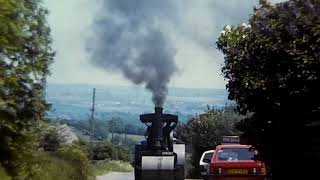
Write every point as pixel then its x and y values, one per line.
pixel 192 26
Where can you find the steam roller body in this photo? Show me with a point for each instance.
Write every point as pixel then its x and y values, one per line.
pixel 160 156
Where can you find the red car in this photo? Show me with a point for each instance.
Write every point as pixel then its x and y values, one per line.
pixel 235 162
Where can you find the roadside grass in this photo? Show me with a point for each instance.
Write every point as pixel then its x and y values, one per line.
pixel 52 167
pixel 105 166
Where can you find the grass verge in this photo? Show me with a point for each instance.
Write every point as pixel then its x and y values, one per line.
pixel 105 166
pixel 53 167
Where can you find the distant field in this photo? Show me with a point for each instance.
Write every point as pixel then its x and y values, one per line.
pixel 132 137
pixel 136 138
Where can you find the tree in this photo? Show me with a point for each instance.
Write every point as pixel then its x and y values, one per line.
pixel 128 129
pixel 101 130
pixel 273 70
pixel 25 54
pixel 205 132
pixel 115 125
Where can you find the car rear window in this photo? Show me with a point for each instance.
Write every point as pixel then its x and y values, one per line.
pixel 235 154
pixel 208 155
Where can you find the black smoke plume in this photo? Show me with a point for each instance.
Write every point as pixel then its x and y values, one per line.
pixel 126 37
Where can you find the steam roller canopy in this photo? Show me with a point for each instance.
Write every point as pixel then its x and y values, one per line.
pixel 157 134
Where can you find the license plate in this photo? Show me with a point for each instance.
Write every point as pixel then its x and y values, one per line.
pixel 237 171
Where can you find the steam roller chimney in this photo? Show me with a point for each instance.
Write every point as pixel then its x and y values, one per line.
pixel 157 127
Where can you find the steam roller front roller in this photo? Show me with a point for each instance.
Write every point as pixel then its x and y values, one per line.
pixel 160 156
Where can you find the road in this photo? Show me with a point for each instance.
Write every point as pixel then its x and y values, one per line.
pixel 118 176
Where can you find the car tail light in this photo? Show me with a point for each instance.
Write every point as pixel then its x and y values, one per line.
pixel 215 170
pixel 263 170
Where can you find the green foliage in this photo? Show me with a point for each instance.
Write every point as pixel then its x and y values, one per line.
pixel 205 131
pixel 103 167
pixel 51 167
pixel 115 125
pixel 77 155
pixel 20 163
pixel 69 163
pixel 51 140
pixel 103 151
pixel 3 174
pixel 25 54
pixel 273 71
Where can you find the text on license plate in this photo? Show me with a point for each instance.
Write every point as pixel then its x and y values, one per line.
pixel 237 171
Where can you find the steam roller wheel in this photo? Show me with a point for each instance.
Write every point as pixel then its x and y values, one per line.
pixel 179 174
pixel 137 174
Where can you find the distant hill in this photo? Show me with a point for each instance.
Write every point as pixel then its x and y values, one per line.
pixel 74 101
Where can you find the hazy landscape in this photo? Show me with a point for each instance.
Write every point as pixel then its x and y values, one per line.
pixel 74 101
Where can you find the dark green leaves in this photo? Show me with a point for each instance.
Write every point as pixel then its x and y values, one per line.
pixel 273 70
pixel 25 55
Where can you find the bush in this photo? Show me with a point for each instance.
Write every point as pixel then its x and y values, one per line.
pixel 3 174
pixel 109 151
pixel 51 167
pixel 77 156
pixel 66 165
pixel 51 140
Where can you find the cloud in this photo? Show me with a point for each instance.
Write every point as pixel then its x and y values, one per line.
pixel 191 26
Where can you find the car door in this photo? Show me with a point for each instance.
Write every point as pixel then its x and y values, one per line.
pixel 205 162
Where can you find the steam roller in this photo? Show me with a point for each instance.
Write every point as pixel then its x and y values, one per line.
pixel 160 156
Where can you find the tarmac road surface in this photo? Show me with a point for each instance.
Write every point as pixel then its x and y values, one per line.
pixel 118 176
